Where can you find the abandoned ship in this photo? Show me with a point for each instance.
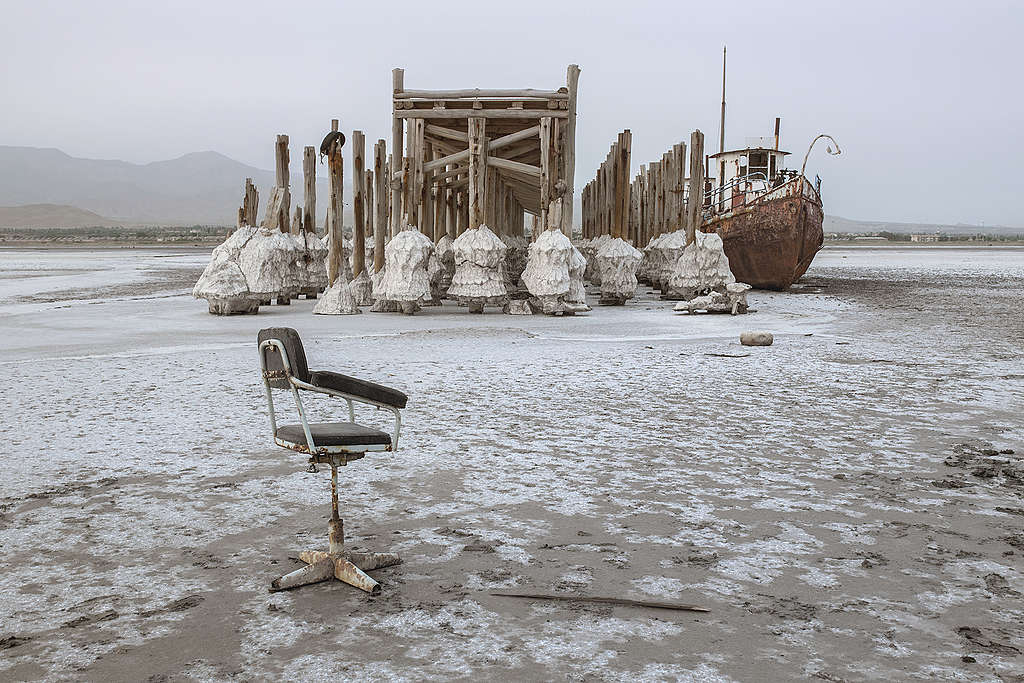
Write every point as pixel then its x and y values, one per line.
pixel 769 218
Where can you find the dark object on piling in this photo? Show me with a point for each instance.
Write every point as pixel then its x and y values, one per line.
pixel 329 141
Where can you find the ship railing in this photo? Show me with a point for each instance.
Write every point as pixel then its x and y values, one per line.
pixel 715 203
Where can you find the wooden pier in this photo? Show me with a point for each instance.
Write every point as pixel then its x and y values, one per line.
pixel 472 157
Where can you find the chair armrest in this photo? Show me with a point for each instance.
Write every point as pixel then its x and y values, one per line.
pixel 358 387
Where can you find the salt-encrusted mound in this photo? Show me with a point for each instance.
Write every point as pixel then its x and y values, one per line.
pixel 666 253
pixel 547 268
pixel 554 274
pixel 576 300
pixel 479 261
pixel 337 300
pixel 617 262
pixel 314 264
pixel 267 261
pixel 345 271
pixel 362 288
pixel 382 305
pixel 702 267
pixel 441 279
pixel 516 252
pixel 223 284
pixel 225 289
pixel 405 279
pixel 643 272
pixel 589 252
pixel 231 248
pixel 733 300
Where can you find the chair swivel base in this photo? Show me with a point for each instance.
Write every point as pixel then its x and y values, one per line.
pixel 339 563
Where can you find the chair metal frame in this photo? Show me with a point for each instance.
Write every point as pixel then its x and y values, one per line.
pixel 296 384
pixel 338 562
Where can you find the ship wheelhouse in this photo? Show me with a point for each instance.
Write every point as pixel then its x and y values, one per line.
pixel 745 174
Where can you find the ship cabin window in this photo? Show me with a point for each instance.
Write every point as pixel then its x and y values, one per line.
pixel 759 163
pixel 741 166
pixel 771 166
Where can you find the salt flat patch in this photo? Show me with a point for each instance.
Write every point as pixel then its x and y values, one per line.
pixel 82 270
pixel 792 492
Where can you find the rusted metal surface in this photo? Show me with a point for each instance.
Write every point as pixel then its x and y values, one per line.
pixel 311 573
pixel 771 241
pixel 337 562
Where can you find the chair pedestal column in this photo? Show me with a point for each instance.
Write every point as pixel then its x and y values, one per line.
pixel 339 563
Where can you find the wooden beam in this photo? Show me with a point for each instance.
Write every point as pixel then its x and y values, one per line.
pixel 503 141
pixel 280 220
pixel 358 203
pixel 397 152
pixel 449 210
pixel 380 214
pixel 521 148
pixel 696 200
pixel 335 179
pixel 435 114
pixel 451 173
pixel 416 171
pixel 309 190
pixel 449 133
pixel 622 150
pixel 471 93
pixel 515 166
pixel 368 204
pixel 477 170
pixel 441 145
pixel 569 149
pixel 545 172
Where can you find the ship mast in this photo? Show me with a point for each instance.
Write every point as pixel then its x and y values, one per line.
pixel 721 127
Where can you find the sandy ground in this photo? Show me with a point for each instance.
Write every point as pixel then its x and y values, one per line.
pixel 845 502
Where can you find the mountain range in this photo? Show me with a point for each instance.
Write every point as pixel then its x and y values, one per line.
pixel 197 188
pixel 45 187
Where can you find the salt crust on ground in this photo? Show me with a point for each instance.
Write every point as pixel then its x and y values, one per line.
pixel 805 514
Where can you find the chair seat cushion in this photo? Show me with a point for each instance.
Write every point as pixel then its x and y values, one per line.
pixel 358 387
pixel 334 434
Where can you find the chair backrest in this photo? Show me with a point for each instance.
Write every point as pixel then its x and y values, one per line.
pixel 289 339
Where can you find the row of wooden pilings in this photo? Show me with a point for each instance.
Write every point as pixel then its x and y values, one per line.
pixel 437 212
pixel 655 202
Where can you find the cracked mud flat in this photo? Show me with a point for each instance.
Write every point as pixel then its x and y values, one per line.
pixel 843 501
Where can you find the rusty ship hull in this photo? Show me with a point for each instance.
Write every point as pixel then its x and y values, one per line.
pixel 772 240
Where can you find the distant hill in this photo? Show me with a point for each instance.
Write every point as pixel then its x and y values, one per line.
pixel 201 187
pixel 52 216
pixel 845 225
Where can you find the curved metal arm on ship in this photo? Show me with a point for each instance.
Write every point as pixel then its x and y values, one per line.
pixel 836 153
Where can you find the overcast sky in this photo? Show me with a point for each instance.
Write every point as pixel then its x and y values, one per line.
pixel 923 97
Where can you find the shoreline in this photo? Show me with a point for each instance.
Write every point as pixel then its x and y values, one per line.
pixel 120 244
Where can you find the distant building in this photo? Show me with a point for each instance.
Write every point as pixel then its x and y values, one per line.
pixel 924 237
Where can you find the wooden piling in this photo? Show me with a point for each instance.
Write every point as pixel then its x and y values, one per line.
pixel 569 150
pixel 380 220
pixel 335 180
pixel 369 210
pixel 358 203
pixel 247 214
pixel 309 189
pixel 696 189
pixel 397 149
pixel 477 170
pixel 282 180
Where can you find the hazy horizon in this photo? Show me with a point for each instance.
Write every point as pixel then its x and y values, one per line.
pixel 915 93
